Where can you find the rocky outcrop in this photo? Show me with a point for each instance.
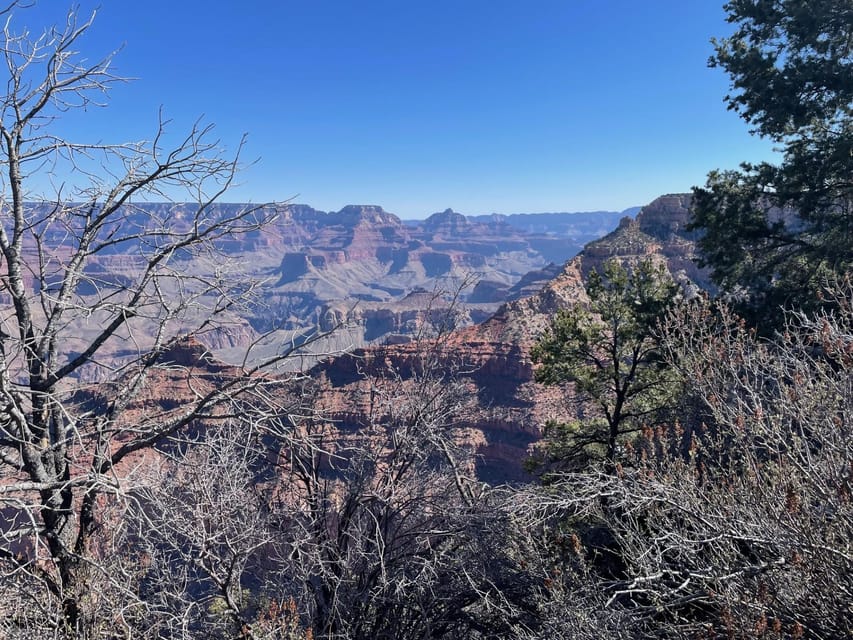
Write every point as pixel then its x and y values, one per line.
pixel 448 223
pixel 667 218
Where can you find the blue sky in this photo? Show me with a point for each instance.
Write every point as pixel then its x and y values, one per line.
pixel 482 106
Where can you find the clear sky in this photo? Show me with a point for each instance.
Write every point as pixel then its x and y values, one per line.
pixel 419 105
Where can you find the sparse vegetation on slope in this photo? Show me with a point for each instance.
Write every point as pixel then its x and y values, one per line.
pixel 148 490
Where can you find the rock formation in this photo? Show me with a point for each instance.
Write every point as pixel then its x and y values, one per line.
pixel 365 255
pixel 361 267
pixel 494 356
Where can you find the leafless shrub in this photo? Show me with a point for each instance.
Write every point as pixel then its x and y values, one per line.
pixel 739 525
pixel 380 516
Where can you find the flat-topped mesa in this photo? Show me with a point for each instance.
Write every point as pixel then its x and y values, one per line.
pixel 354 214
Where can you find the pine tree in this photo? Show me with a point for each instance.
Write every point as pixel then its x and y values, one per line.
pixel 773 234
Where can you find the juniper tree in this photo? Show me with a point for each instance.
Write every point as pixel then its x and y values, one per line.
pixel 609 352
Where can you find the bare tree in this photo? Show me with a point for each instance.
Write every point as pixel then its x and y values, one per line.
pixel 96 284
pixel 356 519
pixel 205 533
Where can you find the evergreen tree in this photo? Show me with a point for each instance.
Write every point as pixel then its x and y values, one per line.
pixel 610 353
pixel 774 233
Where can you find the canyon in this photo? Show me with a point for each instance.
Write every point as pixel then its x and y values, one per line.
pixel 380 289
pixel 502 408
pixel 376 277
pixel 358 276
pixel 507 407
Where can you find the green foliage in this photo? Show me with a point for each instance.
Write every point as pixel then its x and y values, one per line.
pixel 610 353
pixel 773 233
pixel 789 62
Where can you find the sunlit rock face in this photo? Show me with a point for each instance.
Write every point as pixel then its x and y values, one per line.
pixel 362 266
pixel 667 217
